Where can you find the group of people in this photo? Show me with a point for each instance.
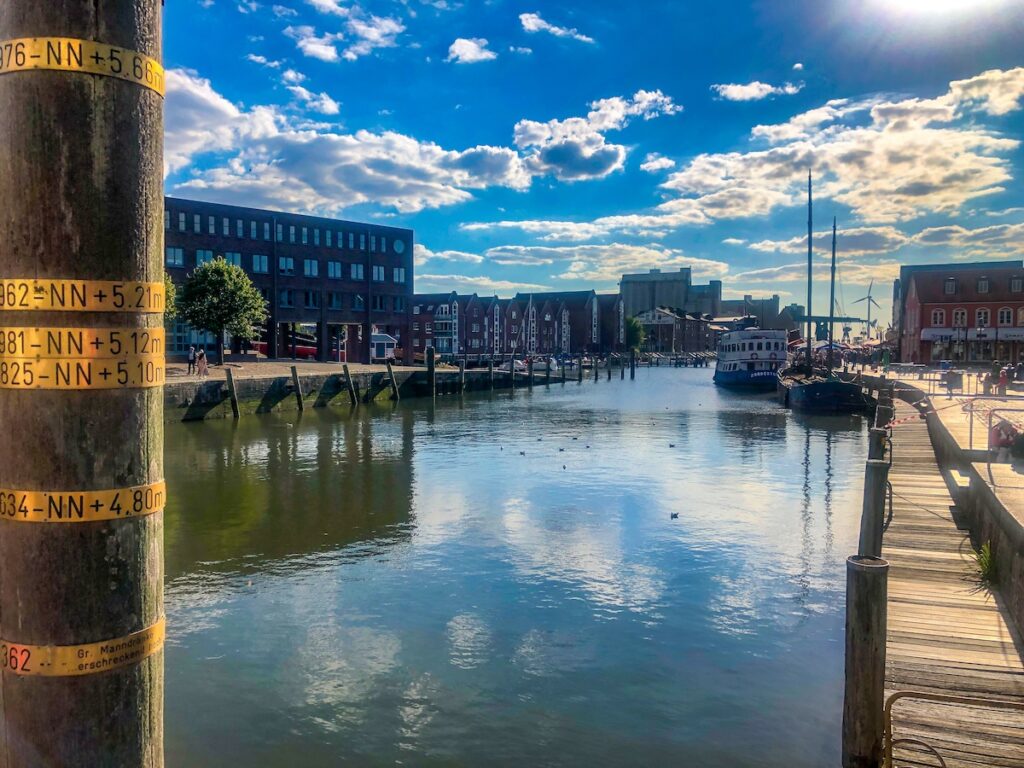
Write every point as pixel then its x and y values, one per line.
pixel 197 362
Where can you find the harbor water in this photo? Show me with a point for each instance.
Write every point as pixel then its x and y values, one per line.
pixel 500 579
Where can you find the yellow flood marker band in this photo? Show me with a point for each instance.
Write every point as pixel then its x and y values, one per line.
pixel 82 506
pixel 81 295
pixel 67 54
pixel 96 343
pixel 127 372
pixel 88 659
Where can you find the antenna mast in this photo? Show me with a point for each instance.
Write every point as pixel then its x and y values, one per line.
pixel 810 234
pixel 832 298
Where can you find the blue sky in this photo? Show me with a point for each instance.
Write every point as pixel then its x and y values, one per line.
pixel 561 144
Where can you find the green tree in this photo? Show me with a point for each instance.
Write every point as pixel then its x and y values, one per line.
pixel 635 334
pixel 219 297
pixel 170 298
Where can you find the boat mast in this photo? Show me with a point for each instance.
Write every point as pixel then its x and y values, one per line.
pixel 832 298
pixel 810 363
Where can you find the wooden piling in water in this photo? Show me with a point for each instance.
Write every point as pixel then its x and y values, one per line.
pixel 490 373
pixel 351 385
pixel 632 364
pixel 512 371
pixel 462 376
pixel 579 371
pixel 547 372
pixel 597 370
pixel 563 370
pixel 297 386
pixel 529 373
pixel 432 370
pixel 609 370
pixel 232 392
pixel 863 702
pixel 393 381
pixel 872 519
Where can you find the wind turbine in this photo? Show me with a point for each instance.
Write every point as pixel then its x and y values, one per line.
pixel 870 301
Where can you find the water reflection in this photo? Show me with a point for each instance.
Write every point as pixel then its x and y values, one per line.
pixel 498 579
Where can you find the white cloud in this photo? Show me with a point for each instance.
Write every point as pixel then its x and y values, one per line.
pixel 422 255
pixel 655 162
pixel 853 273
pixel 998 241
pixel 733 241
pixel 754 91
pixel 520 49
pixel 263 60
pixel 316 47
pixel 532 22
pixel 473 284
pixel 329 6
pixel 292 77
pixel 798 67
pixel 855 241
pixel 469 50
pixel 283 11
pixel 319 102
pixel 575 148
pixel 248 6
pixel 371 33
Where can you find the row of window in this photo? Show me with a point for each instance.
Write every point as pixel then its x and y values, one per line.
pixel 982 317
pixel 175 257
pixel 336 300
pixel 295 234
pixel 749 346
pixel 983 285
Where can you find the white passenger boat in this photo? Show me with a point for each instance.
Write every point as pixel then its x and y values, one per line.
pixel 751 358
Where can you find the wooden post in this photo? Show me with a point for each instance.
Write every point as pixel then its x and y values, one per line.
pixel 597 370
pixel 866 594
pixel 632 364
pixel 622 372
pixel 579 371
pixel 394 381
pixel 81 200
pixel 432 371
pixel 563 370
pixel 883 415
pixel 297 386
pixel 876 443
pixel 462 376
pixel 547 372
pixel 490 373
pixel 512 371
pixel 232 392
pixel 872 518
pixel 529 373
pixel 351 386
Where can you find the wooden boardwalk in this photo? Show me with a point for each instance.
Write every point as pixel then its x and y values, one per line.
pixel 947 634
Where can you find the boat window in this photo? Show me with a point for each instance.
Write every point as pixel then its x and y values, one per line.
pixel 760 347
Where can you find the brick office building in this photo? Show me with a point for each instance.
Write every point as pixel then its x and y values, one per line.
pixel 961 312
pixel 329 283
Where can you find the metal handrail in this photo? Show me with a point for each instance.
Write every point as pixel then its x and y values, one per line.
pixel 889 742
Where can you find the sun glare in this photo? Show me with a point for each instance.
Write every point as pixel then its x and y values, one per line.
pixel 938 7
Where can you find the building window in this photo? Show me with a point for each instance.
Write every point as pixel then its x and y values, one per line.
pixel 203 256
pixel 226 227
pixel 982 285
pixel 181 222
pixel 415 326
pixel 266 230
pixel 1020 316
pixel 950 286
pixel 197 223
pixel 175 257
pixel 327 234
pixel 305 236
pixel 167 220
pixel 312 299
pixel 378 303
pixel 415 342
pixel 959 318
pixel 428 327
pixel 252 230
pixel 362 242
pixel 286 265
pixel 287 297
pixel 938 317
pixel 260 263
pixel 358 273
pixel 280 233
pixel 358 303
pixel 211 225
pixel 373 243
pixel 239 229
pixel 476 328
pixel 351 240
pixel 334 269
pixel 383 244
pixel 316 237
pixel 233 257
pixel 378 273
pixel 399 304
pixel 291 234
pixel 982 317
pixel 514 314
pixel 1005 316
pixel 1016 284
pixel 334 300
pixel 416 309
pixel 311 267
pixel 399 274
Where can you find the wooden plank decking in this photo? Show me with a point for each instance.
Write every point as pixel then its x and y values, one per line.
pixel 947 634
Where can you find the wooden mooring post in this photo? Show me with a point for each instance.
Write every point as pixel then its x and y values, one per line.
pixel 872 518
pixel 547 372
pixel 394 382
pixel 863 702
pixel 462 377
pixel 579 371
pixel 609 370
pixel 597 370
pixel 490 374
pixel 297 386
pixel 512 371
pixel 351 385
pixel 632 364
pixel 81 540
pixel 432 370
pixel 563 370
pixel 529 373
pixel 232 392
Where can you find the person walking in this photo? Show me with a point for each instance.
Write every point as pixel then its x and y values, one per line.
pixel 202 365
pixel 191 360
